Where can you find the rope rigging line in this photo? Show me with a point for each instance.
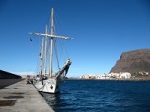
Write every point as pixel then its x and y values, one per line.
pixel 56 22
pixel 55 48
pixel 56 53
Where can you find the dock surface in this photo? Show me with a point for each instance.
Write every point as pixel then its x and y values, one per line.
pixel 22 97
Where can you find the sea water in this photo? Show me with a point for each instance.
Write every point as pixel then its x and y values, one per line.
pixel 101 96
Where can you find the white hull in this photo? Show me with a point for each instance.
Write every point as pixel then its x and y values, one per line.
pixel 48 85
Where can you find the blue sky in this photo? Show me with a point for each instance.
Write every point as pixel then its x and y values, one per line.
pixel 102 30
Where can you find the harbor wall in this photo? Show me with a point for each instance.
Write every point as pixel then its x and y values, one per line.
pixel 7 75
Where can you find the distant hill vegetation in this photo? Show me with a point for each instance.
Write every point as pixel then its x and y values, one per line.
pixel 136 62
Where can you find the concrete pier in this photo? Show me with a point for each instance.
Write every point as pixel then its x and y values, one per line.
pixel 22 97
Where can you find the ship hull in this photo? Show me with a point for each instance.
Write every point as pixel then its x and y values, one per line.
pixel 48 85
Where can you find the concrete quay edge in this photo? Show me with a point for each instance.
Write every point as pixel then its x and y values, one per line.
pixel 26 98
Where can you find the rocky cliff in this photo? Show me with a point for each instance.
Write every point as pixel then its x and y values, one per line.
pixel 135 62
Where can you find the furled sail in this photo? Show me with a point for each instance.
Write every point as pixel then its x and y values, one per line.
pixel 64 69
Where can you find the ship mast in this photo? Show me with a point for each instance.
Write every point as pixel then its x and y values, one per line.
pixel 41 58
pixel 51 36
pixel 51 45
pixel 45 52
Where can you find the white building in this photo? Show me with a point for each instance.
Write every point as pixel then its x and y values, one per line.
pixel 102 76
pixel 121 75
pixel 125 75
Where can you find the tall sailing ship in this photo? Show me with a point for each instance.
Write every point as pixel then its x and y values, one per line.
pixel 50 83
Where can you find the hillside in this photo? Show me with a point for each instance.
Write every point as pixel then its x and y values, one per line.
pixel 137 62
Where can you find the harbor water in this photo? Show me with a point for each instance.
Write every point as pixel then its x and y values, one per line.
pixel 101 96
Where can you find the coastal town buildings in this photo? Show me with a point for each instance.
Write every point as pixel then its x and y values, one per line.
pixel 121 75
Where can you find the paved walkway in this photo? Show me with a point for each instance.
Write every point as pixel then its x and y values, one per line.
pixel 22 97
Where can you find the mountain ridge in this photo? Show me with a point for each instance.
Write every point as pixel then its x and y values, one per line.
pixel 135 62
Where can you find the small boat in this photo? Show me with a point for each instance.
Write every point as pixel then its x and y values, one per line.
pixel 50 83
